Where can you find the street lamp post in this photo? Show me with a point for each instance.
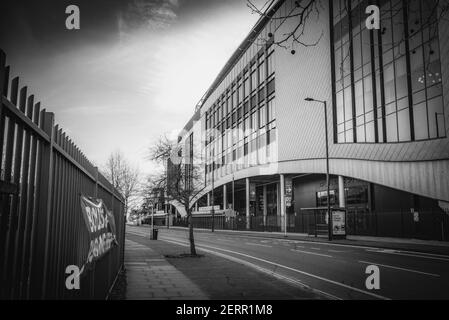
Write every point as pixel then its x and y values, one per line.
pixel 329 217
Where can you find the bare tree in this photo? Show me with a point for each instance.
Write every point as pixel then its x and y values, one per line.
pixel 124 177
pixel 181 180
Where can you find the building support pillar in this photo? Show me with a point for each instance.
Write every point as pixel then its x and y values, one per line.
pixel 341 192
pixel 225 197
pixel 247 207
pixel 283 211
pixel 265 206
pixel 208 199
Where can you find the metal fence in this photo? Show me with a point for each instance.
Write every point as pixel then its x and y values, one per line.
pixel 430 224
pixel 42 230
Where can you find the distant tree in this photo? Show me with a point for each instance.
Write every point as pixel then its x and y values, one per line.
pixel 181 180
pixel 124 177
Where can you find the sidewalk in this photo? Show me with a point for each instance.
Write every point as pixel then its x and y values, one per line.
pixel 156 271
pixel 436 247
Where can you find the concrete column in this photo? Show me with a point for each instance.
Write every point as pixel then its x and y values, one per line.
pixel 278 200
pixel 196 206
pixel 247 204
pixel 282 190
pixel 208 199
pixel 225 197
pixel 265 205
pixel 341 191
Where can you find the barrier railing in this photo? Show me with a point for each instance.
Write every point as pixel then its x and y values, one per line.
pixel 42 231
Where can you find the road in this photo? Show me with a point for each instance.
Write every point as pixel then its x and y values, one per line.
pixel 332 270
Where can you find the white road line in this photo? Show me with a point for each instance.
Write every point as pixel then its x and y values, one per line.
pixel 398 268
pixel 292 269
pixel 336 251
pixel 314 253
pixel 419 255
pixel 261 269
pixel 315 248
pixel 257 244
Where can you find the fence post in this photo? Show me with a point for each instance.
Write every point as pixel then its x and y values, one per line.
pixel 39 272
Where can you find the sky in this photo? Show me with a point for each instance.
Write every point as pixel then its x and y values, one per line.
pixel 133 72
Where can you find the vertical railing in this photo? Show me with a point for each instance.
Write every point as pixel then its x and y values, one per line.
pixel 42 175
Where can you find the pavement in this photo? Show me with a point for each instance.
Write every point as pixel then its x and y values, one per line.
pixel 160 270
pixel 258 265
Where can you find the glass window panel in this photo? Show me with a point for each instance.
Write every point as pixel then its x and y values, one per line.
pixel 390 108
pixel 417 68
pixel 360 120
pixel 340 109
pixel 369 132
pixel 402 104
pixel 366 46
pixel 262 74
pixel 419 97
pixel 435 112
pixel 349 136
pixel 368 87
pixel 387 36
pixel 389 84
pixel 404 125
pixel 348 103
pixel 398 22
pixel 378 90
pixel 392 128
pixel 338 60
pixel 401 78
pixel 357 51
pixel 380 131
pixel 359 98
pixel 346 60
pixel 434 91
pixel 414 22
pixel 361 134
pixel 387 57
pixel 420 122
pixel 369 116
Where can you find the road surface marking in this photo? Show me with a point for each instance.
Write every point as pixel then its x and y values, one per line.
pixel 419 255
pixel 315 248
pixel 314 253
pixel 257 244
pixel 291 269
pixel 336 251
pixel 261 269
pixel 398 268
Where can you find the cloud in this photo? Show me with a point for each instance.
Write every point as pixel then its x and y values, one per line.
pixel 147 15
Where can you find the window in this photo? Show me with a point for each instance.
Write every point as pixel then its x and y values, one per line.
pixel 384 101
pixel 262 116
pixel 271 110
pixel 321 198
pixel 270 64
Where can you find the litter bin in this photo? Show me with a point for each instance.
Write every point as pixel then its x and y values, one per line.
pixel 154 235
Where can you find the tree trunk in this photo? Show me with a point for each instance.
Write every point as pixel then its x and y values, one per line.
pixel 191 239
